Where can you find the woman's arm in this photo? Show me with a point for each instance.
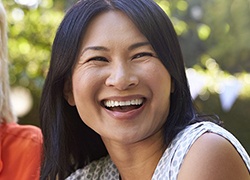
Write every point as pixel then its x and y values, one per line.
pixel 213 157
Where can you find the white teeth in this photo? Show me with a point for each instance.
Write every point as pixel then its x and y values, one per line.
pixel 111 103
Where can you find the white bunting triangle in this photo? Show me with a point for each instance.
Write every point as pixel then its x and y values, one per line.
pixel 229 91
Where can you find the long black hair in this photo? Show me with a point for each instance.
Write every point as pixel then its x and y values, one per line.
pixel 68 143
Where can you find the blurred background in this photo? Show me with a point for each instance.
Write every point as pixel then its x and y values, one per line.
pixel 214 36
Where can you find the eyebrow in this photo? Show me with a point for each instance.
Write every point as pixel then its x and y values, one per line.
pixel 102 48
pixel 95 48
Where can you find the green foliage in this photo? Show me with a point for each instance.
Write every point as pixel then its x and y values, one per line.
pixel 217 28
pixel 229 41
pixel 31 32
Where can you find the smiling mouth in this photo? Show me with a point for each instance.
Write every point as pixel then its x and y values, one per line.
pixel 123 106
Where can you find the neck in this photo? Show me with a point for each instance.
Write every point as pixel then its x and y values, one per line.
pixel 137 160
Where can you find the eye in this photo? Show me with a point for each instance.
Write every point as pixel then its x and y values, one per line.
pixel 143 54
pixel 98 58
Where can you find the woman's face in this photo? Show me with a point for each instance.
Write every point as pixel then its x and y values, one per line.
pixel 119 86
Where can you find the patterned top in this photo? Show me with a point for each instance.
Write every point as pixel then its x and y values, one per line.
pixel 171 160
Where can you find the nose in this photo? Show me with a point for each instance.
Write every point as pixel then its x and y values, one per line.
pixel 122 77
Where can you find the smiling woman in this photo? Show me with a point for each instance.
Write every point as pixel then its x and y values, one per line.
pixel 116 102
pixel 121 79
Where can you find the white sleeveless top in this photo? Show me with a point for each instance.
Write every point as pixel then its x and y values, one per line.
pixel 171 160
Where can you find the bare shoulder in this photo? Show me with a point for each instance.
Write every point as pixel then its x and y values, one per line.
pixel 213 157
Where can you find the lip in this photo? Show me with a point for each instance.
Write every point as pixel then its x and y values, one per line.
pixel 128 115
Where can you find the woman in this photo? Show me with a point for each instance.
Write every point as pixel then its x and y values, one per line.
pixel 20 145
pixel 116 103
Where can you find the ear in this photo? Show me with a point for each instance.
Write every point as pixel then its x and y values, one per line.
pixel 67 92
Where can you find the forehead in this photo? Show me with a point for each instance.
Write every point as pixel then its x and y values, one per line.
pixel 112 26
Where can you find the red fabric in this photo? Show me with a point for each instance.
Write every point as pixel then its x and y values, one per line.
pixel 20 152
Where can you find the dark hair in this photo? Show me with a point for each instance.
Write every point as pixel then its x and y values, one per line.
pixel 68 143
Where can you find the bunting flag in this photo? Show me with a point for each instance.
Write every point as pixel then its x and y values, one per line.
pixel 196 82
pixel 229 87
pixel 229 91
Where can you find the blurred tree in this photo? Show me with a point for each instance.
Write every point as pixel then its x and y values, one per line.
pixel 217 29
pixel 31 32
pixel 230 35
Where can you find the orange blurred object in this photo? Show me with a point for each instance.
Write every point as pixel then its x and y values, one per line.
pixel 20 151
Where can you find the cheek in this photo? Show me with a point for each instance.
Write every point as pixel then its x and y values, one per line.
pixel 159 78
pixel 160 83
pixel 84 82
pixel 84 92
pixel 85 88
